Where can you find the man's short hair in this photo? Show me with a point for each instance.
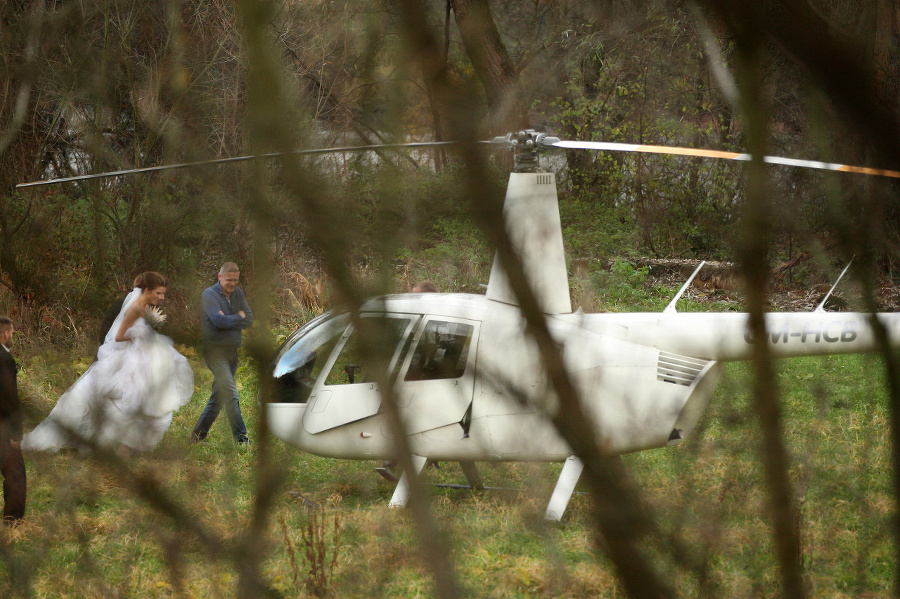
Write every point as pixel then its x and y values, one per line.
pixel 6 324
pixel 424 287
pixel 229 267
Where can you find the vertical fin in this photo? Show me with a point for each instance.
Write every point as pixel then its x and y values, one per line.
pixel 531 212
pixel 821 306
pixel 671 307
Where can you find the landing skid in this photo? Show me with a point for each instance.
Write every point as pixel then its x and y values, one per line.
pixel 387 474
pixel 470 487
pixel 565 486
pixel 401 493
pixel 562 493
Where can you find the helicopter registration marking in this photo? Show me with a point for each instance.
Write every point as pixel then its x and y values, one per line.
pixel 831 332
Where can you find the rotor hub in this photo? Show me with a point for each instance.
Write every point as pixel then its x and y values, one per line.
pixel 526 145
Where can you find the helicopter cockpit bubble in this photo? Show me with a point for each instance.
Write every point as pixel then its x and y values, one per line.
pixel 352 365
pixel 302 357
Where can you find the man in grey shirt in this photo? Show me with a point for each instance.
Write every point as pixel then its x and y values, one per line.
pixel 225 314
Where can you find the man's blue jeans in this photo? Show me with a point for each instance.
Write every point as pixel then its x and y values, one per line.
pixel 222 361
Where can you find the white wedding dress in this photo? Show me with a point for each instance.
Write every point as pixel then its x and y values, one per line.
pixel 126 397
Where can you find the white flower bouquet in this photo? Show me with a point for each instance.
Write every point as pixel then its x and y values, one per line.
pixel 154 317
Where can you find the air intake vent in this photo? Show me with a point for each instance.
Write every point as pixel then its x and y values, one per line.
pixel 678 370
pixel 545 180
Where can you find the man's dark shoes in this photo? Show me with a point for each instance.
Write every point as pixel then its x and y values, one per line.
pixel 197 437
pixel 243 440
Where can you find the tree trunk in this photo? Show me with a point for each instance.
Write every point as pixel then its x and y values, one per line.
pixel 432 73
pixel 493 65
pixel 886 32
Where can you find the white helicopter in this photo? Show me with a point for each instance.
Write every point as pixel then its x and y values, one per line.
pixel 470 386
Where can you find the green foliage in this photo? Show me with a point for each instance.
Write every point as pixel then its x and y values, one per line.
pixel 592 228
pixel 622 275
pixel 660 205
pixel 419 225
pixel 621 287
pixel 83 251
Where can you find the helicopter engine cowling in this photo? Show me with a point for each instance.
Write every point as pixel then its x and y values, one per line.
pixel 636 397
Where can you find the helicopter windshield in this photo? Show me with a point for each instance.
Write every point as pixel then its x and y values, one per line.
pixel 302 358
pixel 353 365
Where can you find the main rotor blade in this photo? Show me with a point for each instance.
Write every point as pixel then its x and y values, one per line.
pixel 165 167
pixel 679 151
pixel 547 142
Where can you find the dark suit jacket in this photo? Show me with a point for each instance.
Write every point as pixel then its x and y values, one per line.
pixel 10 408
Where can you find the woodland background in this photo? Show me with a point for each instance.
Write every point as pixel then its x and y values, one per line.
pixel 109 85
pixel 132 84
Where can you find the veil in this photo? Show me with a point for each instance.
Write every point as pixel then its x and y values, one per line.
pixel 114 329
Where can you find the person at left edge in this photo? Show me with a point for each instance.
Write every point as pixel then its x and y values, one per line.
pixel 12 464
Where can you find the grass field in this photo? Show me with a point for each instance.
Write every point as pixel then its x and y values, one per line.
pixel 91 531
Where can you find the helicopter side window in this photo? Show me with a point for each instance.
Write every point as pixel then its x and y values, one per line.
pixel 301 360
pixel 442 351
pixel 353 366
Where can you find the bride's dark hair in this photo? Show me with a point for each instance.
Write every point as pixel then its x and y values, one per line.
pixel 150 280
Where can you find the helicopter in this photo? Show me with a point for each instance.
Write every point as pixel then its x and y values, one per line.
pixel 468 378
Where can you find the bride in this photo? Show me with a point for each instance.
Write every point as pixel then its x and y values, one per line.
pixel 128 395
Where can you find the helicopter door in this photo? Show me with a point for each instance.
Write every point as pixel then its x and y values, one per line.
pixel 438 377
pixel 347 392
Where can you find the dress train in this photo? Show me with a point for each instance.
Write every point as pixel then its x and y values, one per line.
pixel 126 397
